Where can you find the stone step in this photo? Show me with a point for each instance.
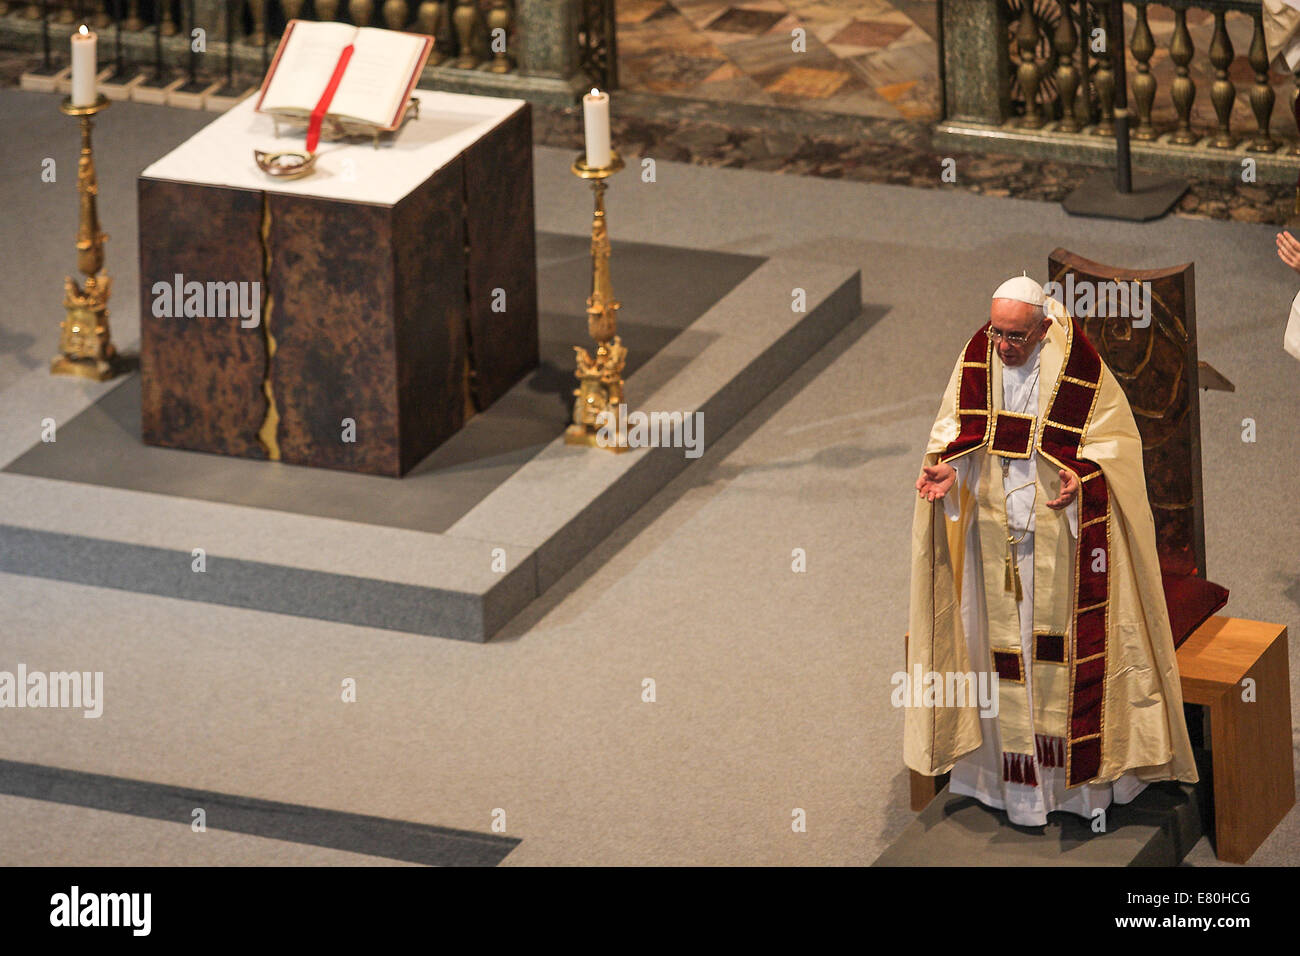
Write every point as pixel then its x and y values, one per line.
pixel 1156 829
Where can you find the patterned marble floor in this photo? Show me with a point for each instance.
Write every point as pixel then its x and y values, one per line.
pixel 719 132
pixel 875 58
pixel 864 57
pixel 807 143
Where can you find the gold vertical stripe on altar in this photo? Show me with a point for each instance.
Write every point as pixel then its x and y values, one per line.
pixel 268 434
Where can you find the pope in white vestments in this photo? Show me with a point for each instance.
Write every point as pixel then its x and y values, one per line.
pixel 1282 41
pixel 1034 449
pixel 1288 250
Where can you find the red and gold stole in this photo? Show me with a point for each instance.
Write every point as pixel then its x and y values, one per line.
pixel 1069 413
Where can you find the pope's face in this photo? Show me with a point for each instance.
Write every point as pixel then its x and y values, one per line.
pixel 1016 319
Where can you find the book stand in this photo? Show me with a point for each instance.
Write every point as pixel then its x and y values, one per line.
pixel 335 128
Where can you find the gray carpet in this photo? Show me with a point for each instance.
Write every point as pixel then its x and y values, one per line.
pixel 772 687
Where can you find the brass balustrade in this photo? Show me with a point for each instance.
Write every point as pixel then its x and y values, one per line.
pixel 468 34
pixel 1076 67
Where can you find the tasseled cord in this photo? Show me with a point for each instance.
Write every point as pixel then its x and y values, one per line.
pixel 1019 768
pixel 1051 750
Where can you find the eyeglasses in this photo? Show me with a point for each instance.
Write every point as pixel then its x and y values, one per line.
pixel 1013 338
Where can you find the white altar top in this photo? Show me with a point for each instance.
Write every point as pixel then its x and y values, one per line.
pixel 221 154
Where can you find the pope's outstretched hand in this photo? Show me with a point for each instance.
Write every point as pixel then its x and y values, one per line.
pixel 1288 249
pixel 1069 489
pixel 935 481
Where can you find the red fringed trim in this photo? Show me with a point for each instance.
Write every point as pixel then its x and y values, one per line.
pixel 1019 768
pixel 1051 750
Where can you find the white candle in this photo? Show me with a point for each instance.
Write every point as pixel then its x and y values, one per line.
pixel 595 118
pixel 83 68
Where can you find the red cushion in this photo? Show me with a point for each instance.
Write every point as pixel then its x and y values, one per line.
pixel 1191 602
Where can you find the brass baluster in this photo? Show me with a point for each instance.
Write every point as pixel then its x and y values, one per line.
pixel 1067 74
pixel 133 21
pixel 1184 91
pixel 361 11
pixel 1083 96
pixel 468 20
pixel 434 18
pixel 292 9
pixel 1029 72
pixel 67 14
pixel 1295 94
pixel 168 22
pixel 326 10
pixel 1223 92
pixel 1104 80
pixel 258 9
pixel 101 18
pixel 1144 84
pixel 1261 94
pixel 499 18
pixel 394 14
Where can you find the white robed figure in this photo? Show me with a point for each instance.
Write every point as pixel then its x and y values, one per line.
pixel 1033 425
pixel 1281 20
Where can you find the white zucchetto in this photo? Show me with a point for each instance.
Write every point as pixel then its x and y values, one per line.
pixel 1021 288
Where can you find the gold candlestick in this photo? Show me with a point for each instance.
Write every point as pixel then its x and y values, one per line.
pixel 600 378
pixel 85 348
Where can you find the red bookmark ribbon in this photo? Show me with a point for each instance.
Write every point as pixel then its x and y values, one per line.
pixel 318 114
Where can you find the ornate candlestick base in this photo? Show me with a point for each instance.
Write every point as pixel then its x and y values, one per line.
pixel 600 390
pixel 85 347
pixel 600 377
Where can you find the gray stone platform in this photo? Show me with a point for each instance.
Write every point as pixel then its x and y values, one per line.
pixel 664 289
pixel 467 541
pixel 1156 829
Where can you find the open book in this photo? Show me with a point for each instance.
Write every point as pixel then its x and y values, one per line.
pixel 384 68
